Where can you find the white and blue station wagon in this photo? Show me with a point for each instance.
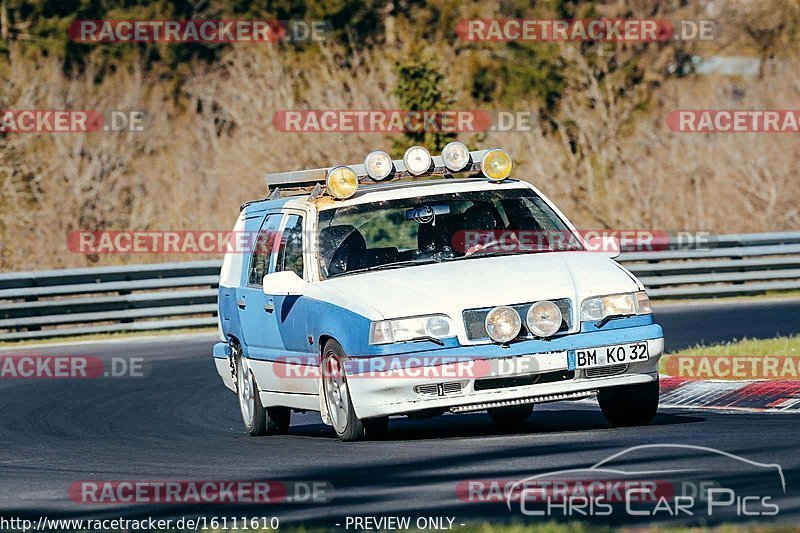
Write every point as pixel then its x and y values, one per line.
pixel 373 291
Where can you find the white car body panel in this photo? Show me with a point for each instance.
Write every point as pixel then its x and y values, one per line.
pixel 450 287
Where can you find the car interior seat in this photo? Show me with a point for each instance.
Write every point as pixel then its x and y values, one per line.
pixel 345 246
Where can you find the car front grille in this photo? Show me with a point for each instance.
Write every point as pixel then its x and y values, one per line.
pixel 440 389
pixel 474 319
pixel 605 371
pixel 521 381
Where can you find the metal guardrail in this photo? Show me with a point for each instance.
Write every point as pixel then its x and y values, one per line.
pixel 733 265
pixel 54 303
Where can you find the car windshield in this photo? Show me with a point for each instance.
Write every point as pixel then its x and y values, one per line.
pixel 438 228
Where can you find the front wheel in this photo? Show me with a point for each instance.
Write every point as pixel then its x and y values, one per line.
pixel 258 420
pixel 337 398
pixel 629 405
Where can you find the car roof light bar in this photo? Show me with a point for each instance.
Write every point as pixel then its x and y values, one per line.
pixel 309 178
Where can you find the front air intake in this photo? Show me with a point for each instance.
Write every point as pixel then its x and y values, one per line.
pixel 531 399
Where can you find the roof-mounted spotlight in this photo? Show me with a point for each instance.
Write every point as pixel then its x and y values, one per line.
pixel 496 164
pixel 341 182
pixel 417 160
pixel 379 165
pixel 455 156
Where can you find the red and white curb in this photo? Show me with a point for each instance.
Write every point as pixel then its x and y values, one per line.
pixel 772 396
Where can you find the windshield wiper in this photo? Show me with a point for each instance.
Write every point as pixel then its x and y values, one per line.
pixel 387 266
pixel 493 253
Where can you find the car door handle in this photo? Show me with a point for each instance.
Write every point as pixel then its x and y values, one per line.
pixel 269 307
pixel 242 303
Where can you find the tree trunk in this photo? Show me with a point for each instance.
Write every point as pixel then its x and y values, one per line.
pixel 3 20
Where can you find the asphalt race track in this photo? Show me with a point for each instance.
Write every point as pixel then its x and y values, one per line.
pixel 179 422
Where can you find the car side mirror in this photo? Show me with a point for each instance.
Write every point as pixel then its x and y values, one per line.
pixel 607 245
pixel 285 283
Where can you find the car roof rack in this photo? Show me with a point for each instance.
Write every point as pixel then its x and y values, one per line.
pixel 303 179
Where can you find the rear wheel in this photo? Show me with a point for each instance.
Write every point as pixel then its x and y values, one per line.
pixel 337 398
pixel 257 419
pixel 629 405
pixel 513 414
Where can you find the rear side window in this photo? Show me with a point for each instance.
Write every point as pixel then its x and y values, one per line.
pixel 290 252
pixel 231 273
pixel 262 249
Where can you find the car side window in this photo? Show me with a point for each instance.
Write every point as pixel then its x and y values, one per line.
pixel 262 249
pixel 290 250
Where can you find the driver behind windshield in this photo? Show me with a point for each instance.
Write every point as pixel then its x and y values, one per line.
pixel 426 229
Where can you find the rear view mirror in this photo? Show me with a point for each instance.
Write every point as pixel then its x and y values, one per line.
pixel 427 212
pixel 285 283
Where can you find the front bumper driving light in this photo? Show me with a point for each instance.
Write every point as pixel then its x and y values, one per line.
pixel 544 318
pixel 503 324
pixel 409 329
pixel 625 304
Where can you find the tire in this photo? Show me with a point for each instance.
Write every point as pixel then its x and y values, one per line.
pixel 629 405
pixel 511 415
pixel 257 419
pixel 343 417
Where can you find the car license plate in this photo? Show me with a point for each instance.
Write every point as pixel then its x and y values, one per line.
pixel 607 355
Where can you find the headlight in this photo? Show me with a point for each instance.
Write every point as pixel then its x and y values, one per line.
pixel 543 318
pixel 406 329
pixel 631 303
pixel 643 303
pixel 503 324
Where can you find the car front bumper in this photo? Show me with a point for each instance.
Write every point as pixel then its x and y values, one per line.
pixel 502 377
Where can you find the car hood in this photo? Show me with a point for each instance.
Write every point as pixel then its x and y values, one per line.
pixel 451 287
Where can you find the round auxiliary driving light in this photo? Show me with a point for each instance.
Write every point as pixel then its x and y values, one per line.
pixel 544 318
pixel 456 156
pixel 503 324
pixel 417 160
pixel 496 164
pixel 379 165
pixel 342 182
